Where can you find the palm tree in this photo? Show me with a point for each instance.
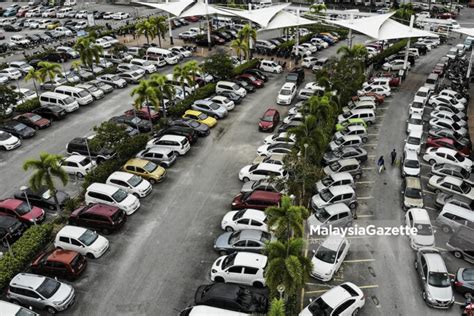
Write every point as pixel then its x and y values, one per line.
pixel 160 23
pixel 287 218
pixel 317 8
pixel 193 69
pixel 277 308
pixel 89 51
pixel 163 89
pixel 48 70
pixel 76 65
pixel 145 93
pixel 182 75
pixel 35 76
pixel 240 47
pixel 147 28
pixel 358 51
pixel 246 34
pixel 47 168
pixel 287 265
pixel 323 108
pixel 311 133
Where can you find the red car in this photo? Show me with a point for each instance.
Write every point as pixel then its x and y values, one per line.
pixel 257 199
pixel 193 18
pixel 269 120
pixel 20 210
pixel 217 40
pixel 65 264
pixel 438 69
pixel 104 218
pixel 33 120
pixel 144 114
pixel 379 99
pixel 394 80
pixel 251 79
pixel 446 15
pixel 448 143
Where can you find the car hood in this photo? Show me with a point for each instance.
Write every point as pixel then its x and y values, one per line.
pixel 413 202
pixel 223 240
pixel 265 124
pixel 228 217
pixel 9 141
pixel 63 293
pixel 262 149
pixel 129 201
pixel 317 202
pixel 412 171
pixel 423 240
pixel 99 244
pixel 143 186
pixel 245 170
pixel 320 186
pixel 441 293
pixel 321 267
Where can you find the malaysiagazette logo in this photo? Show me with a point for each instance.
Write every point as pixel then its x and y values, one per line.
pixel 370 230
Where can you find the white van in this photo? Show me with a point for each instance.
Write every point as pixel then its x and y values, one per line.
pixel 270 66
pixel 69 104
pixel 166 54
pixel 81 95
pixel 203 310
pixel 221 21
pixel 62 12
pixel 134 51
pixel 230 86
pixel 112 195
pixel 453 216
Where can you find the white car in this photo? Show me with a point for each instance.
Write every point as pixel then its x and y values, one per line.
pixel 417 106
pixel 131 67
pixel 419 219
pixel 450 184
pixel 63 31
pixel 113 41
pixel 320 42
pixel 8 141
pixel 447 155
pixel 310 47
pixel 308 62
pixel 262 171
pixel 345 299
pixel 244 219
pixel 44 24
pixel 81 25
pixel 379 89
pixel 445 100
pixel 10 309
pixel 81 14
pixel 241 268
pixel 103 43
pixel 414 140
pixel 84 241
pixel 396 64
pixel 78 165
pixel 411 166
pixel 223 101
pixel 120 16
pixel 327 259
pixel 11 73
pixel 178 144
pixel 108 15
pixel 414 123
pixel 68 50
pixel 131 183
pixel 448 124
pixel 22 66
pixel 453 94
pixel 280 138
pixel 25 95
pixel 459 113
pixel 276 148
pixel 145 65
pixel 183 51
pixel 287 93
pixel 449 116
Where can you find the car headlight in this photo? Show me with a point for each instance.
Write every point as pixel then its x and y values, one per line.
pixel 234 204
pixel 32 220
pixel 57 303
pixel 429 297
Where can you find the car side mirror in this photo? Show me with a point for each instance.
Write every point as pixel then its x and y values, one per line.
pixel 313 251
pixel 423 278
pixel 402 192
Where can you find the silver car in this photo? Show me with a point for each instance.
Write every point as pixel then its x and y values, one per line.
pixel 41 292
pixel 210 108
pixel 248 240
pixel 263 185
pixel 164 157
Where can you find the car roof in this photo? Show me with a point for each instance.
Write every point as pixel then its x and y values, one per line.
pixel 72 231
pixel 121 175
pixel 411 155
pixel 219 97
pixel 435 262
pixel 75 158
pixel 336 208
pixel 250 234
pixel 413 182
pixel 255 214
pixel 266 195
pixel 420 215
pixel 341 176
pixel 10 203
pixel 349 161
pixel 29 280
pixel 248 259
pixel 446 150
pixel 333 241
pixel 194 112
pixel 161 150
pixel 289 85
pixel 335 296
pixel 269 166
pixel 453 180
pixel 138 162
pixel 61 255
pixel 172 137
pixel 341 189
pixel 8 308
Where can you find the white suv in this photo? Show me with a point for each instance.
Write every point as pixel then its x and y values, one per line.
pixel 111 195
pixel 86 242
pixel 418 218
pixel 262 171
pixel 131 183
pixel 78 165
pixel 240 267
pixel 287 93
pixel 328 258
pixel 176 143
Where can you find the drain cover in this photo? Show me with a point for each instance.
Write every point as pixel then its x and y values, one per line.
pixel 375 300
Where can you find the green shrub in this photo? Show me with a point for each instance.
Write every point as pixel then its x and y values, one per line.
pixel 247 65
pixel 24 250
pixel 395 48
pixel 101 172
pixel 201 93
pixel 28 106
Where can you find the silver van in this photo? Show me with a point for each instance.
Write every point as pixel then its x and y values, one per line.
pixel 452 217
pixel 69 104
pixel 82 96
pixel 367 115
pixel 230 86
pixel 461 243
pixel 335 194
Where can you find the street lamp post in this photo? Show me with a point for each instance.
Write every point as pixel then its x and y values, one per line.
pixel 23 189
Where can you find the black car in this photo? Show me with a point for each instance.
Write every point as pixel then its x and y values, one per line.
pixel 11 28
pixel 231 96
pixel 422 48
pixel 99 15
pixel 51 112
pixel 82 146
pixel 201 40
pixel 296 75
pixel 43 198
pixel 18 129
pixel 200 129
pixel 56 57
pixel 286 126
pixel 10 230
pixel 142 125
pixel 33 38
pixel 345 153
pixel 222 35
pixel 233 297
pixel 187 132
pixel 45 38
pixel 257 74
pixel 248 87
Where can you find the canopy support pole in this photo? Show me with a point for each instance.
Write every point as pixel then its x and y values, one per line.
pixel 297 53
pixel 169 27
pixel 407 49
pixel 350 31
pixel 209 44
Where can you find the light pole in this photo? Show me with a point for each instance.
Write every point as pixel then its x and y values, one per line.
pixel 281 289
pixel 23 189
pixel 304 165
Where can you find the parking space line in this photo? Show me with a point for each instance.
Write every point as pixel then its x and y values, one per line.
pixel 431 209
pixel 364 215
pixel 370 156
pixel 365 182
pixel 372 286
pixel 459 303
pixel 365 197
pixel 369 144
pixel 358 260
pixel 368 168
pixel 429 192
pixel 441 249
pixel 377 134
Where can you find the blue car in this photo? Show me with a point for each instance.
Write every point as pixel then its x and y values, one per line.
pixel 9 12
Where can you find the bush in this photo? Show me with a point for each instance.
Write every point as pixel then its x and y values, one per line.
pixel 101 172
pixel 247 65
pixel 201 93
pixel 395 48
pixel 24 250
pixel 28 106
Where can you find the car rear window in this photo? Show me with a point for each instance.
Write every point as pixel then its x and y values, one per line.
pixel 468 275
pixel 349 289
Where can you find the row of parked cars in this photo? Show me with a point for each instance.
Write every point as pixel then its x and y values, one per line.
pixel 437 133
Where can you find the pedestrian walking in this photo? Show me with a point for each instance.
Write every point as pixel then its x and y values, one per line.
pixel 393 155
pixel 381 164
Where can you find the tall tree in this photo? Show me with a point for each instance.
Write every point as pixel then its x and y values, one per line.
pixel 46 169
pixel 161 26
pixel 182 75
pixel 358 51
pixel 90 52
pixel 240 47
pixel 287 218
pixel 48 70
pixel 248 34
pixel 194 69
pixel 35 76
pixel 277 308
pixel 163 89
pixel 145 93
pixel 146 28
pixel 312 134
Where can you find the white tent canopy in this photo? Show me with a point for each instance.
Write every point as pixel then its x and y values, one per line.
pixel 199 8
pixel 369 26
pixel 285 19
pixel 173 8
pixel 465 31
pixel 259 16
pixel 393 30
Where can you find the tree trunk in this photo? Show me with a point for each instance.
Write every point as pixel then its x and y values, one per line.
pixel 159 40
pixel 58 208
pixel 36 88
pixel 164 107
pixel 184 91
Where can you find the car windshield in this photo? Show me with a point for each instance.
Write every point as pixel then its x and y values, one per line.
pixel 4 136
pixel 23 209
pixel 413 140
pixel 424 229
pixel 48 287
pixel 135 180
pixel 238 215
pixel 335 166
pixel 150 167
pixel 322 215
pixel 202 116
pixel 327 180
pixel 415 121
pixel 413 193
pixel 326 195
pixel 417 105
pixel 459 157
pixel 252 78
pixel 46 195
pixel 25 312
pixel 339 141
pixel 88 237
pixel 439 279
pixel 234 237
pixel 115 78
pixel 84 162
pixel 83 93
pixel 228 261
pixel 267 118
pixel 412 164
pixel 214 106
pixel 119 195
pixel 465 187
pixel 19 127
pixel 253 167
pixel 285 92
pixel 320 308
pixel 326 255
pixel 69 100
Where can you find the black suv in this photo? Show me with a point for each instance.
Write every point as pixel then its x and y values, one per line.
pixel 142 125
pixel 296 75
pixel 187 132
pixel 18 129
pixel 80 145
pixel 10 230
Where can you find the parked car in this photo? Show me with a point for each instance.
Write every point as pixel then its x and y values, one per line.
pixel 344 153
pixel 51 112
pixel 201 129
pixel 98 216
pixel 8 141
pixel 21 211
pixel 17 129
pixel 243 220
pixel 446 155
pixel 33 120
pixel 86 242
pixel 10 230
pixel 43 198
pixel 464 281
pixel 329 256
pixel 146 169
pixel 248 240
pixel 452 185
pixel 200 117
pixel 418 218
pixel 350 165
pixel 269 120
pixel 241 268
pixel 64 264
pixel 259 200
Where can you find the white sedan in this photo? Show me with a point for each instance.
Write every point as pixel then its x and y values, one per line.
pixel 449 184
pixel 379 89
pixel 451 102
pixel 78 165
pixel 418 218
pixel 448 115
pixel 448 124
pixel 280 138
pixel 411 166
pixel 396 64
pixel 327 259
pixel 223 101
pixel 447 155
pixel 414 123
pixel 262 171
pixel 8 141
pixel 120 16
pixel 244 219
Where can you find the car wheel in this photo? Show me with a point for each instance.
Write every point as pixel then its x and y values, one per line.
pixel 432 161
pixel 354 313
pixel 246 179
pixel 90 256
pixel 446 229
pixel 423 294
pixel 51 310
pixel 437 191
pixel 52 207
pixel 258 284
pixel 36 128
pixel 353 205
pixel 106 231
pixel 416 265
pixel 357 176
pixel 229 229
pixel 219 280
pixel 364 140
pixel 152 181
pixel 458 254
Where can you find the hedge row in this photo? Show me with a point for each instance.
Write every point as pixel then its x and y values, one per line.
pixel 247 65
pixel 395 48
pixel 28 106
pixel 24 250
pixel 201 93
